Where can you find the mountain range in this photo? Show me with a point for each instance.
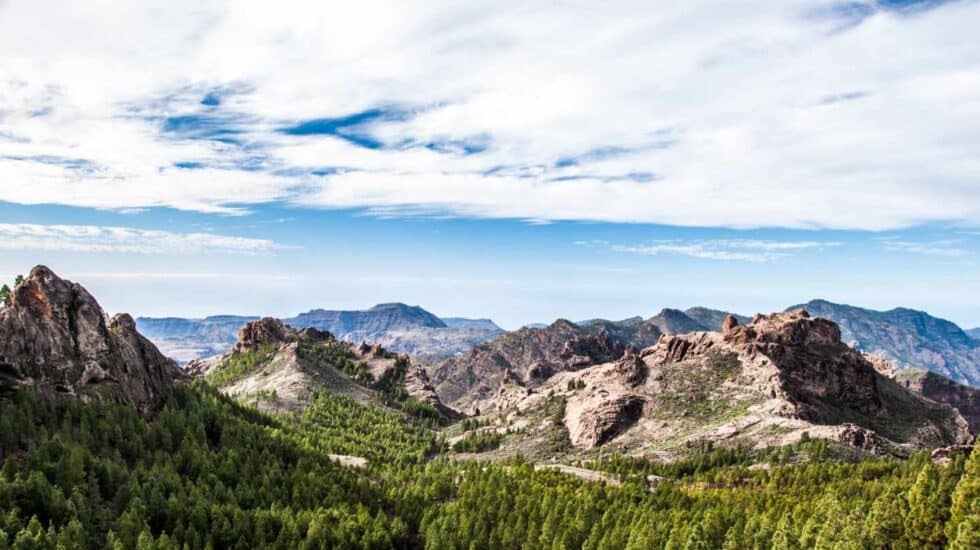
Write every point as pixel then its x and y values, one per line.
pixel 906 337
pixel 634 383
pixel 399 327
pixel 361 449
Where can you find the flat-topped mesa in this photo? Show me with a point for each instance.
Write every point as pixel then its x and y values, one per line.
pixel 55 338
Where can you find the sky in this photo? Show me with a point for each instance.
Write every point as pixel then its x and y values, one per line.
pixel 520 162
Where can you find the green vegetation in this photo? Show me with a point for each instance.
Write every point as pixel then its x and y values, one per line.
pixel 690 389
pixel 238 365
pixel 206 471
pixel 478 442
pixel 340 356
pixel 5 290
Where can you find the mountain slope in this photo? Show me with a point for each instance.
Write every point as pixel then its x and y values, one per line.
pixel 55 338
pixel 713 318
pixel 675 321
pixel 943 390
pixel 278 367
pixel 479 324
pixel 524 354
pixel 907 337
pixel 974 333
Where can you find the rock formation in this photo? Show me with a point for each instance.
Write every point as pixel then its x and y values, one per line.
pixel 766 382
pixel 531 356
pixel 940 389
pixel 55 338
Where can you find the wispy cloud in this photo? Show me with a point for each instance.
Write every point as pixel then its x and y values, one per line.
pixel 725 249
pixel 540 112
pixel 93 238
pixel 950 248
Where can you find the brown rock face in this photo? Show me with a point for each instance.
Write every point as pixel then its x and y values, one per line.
pixel 815 367
pixel 529 355
pixel 943 390
pixel 269 330
pixel 55 337
pixel 728 324
pixel 601 419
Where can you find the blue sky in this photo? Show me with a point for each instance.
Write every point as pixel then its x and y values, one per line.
pixel 521 163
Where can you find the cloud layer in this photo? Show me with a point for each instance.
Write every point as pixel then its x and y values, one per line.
pixel 741 250
pixel 94 238
pixel 742 114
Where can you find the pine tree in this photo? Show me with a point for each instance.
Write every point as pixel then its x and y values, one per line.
pixel 967 536
pixel 884 527
pixel 965 501
pixel 924 525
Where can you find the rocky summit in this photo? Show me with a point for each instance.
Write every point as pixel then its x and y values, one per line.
pixel 56 338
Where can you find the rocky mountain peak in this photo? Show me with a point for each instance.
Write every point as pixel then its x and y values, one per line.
pixel 789 328
pixel 55 338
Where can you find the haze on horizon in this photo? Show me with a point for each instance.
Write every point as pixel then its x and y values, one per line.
pixel 517 163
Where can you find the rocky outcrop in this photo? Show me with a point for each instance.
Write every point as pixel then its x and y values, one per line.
pixel 595 420
pixel 944 455
pixel 728 324
pixel 801 365
pixel 269 330
pixel 940 389
pixel 608 404
pixel 55 338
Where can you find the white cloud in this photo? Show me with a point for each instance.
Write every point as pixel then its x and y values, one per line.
pixel 93 238
pixel 725 249
pixel 950 248
pixel 741 114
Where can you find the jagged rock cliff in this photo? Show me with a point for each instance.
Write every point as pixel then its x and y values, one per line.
pixel 55 338
pixel 943 390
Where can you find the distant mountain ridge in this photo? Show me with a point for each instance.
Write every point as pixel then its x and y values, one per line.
pixel 380 318
pixel 399 327
pixel 907 337
pixel 974 333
